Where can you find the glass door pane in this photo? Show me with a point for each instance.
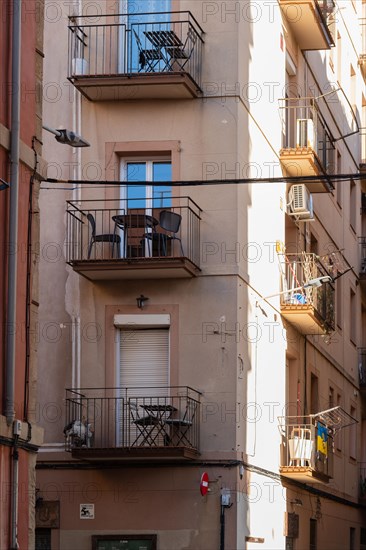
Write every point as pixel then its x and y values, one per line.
pixel 146 17
pixel 136 194
pixel 162 171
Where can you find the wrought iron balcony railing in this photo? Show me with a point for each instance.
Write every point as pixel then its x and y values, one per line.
pixel 297 270
pixel 362 367
pixel 362 55
pixel 307 444
pixel 135 44
pixel 312 22
pixel 362 473
pixel 132 418
pixel 305 128
pixel 115 230
pixel 362 242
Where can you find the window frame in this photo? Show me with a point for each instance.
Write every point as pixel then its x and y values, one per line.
pixel 149 161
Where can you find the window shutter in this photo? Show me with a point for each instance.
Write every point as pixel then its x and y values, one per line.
pixel 144 359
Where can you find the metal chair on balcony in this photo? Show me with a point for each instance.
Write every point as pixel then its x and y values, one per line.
pixel 145 425
pixel 180 427
pixel 112 238
pixel 169 221
pixel 180 53
pixel 149 58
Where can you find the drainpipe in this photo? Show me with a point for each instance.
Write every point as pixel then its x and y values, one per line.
pixel 13 217
pixel 12 267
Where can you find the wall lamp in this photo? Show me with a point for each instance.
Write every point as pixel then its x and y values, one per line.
pixel 141 301
pixel 67 137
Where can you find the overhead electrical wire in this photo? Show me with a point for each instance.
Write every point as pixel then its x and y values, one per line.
pixel 192 183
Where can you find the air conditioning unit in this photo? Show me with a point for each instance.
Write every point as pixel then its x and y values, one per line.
pixel 305 133
pixel 300 204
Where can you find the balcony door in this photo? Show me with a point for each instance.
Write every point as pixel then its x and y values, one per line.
pixel 138 201
pixel 137 18
pixel 142 375
pixel 146 196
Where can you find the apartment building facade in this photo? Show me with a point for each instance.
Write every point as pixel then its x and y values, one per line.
pixel 201 302
pixel 20 165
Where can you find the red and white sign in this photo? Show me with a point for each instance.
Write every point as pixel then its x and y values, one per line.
pixel 204 484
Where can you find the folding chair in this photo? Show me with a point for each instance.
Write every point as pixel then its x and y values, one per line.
pixel 180 435
pixel 147 58
pixel 180 54
pixel 145 426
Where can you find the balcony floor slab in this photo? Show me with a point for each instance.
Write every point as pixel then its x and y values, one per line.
pixel 138 268
pixel 304 474
pixel 137 86
pixel 136 454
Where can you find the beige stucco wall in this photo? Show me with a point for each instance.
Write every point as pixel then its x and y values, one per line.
pixel 241 366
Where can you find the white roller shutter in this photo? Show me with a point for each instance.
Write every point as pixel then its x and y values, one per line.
pixel 143 372
pixel 144 359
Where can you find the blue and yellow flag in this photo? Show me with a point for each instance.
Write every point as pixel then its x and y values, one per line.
pixel 322 439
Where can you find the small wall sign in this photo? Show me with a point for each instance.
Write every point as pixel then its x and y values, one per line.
pixel 86 511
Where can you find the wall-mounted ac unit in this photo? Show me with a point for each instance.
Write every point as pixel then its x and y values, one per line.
pixel 305 133
pixel 300 204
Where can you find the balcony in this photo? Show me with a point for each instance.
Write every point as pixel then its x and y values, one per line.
pixel 362 487
pixel 310 310
pixel 308 148
pixel 362 368
pixel 362 55
pixel 110 239
pixel 362 242
pixel 306 449
pixel 133 424
pixel 311 22
pixel 134 56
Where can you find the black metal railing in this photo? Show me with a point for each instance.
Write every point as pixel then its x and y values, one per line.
pixel 362 367
pixel 297 271
pixel 116 229
pixel 362 243
pixel 326 9
pixel 362 478
pixel 109 418
pixel 305 128
pixel 362 22
pixel 132 44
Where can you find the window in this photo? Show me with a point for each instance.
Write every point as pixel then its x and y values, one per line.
pixel 352 205
pixel 313 534
pixel 130 542
pixel 43 539
pixel 353 315
pixel 146 196
pixel 313 244
pixel 142 366
pixel 149 15
pixel 339 183
pixel 339 436
pixel 363 539
pixel 353 436
pixel 339 303
pixel 314 394
pixel 339 58
pixel 352 538
pixel 331 397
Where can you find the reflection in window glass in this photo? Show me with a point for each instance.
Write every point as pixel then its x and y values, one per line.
pixel 162 171
pixel 136 171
